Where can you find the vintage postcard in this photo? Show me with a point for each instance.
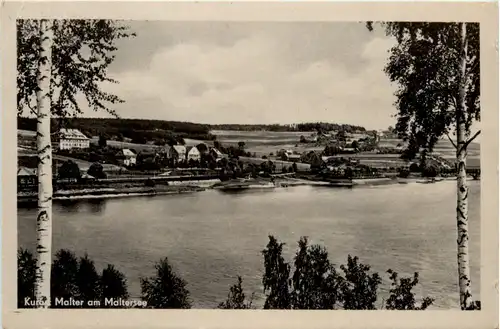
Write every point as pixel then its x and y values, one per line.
pixel 250 165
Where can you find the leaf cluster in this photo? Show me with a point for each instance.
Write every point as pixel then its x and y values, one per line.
pixel 425 65
pixel 82 52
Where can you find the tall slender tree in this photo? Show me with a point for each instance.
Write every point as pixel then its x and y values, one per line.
pixel 44 150
pixel 58 60
pixel 436 66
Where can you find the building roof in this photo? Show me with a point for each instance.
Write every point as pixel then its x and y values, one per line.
pixel 219 153
pixel 127 152
pixel 71 134
pixel 192 148
pixel 179 148
pixel 24 171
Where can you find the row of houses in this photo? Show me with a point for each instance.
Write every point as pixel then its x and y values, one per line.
pixel 177 153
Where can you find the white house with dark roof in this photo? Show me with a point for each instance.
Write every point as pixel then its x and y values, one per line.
pixel 177 152
pixel 27 177
pixel 72 139
pixel 193 153
pixel 127 157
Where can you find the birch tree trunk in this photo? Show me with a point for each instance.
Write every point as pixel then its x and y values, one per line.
pixel 462 189
pixel 44 150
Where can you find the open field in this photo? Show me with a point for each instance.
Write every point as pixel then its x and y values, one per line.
pixel 266 142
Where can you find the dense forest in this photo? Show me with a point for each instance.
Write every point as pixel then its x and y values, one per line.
pixel 137 130
pixel 308 126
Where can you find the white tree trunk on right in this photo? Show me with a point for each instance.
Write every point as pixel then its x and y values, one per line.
pixel 462 189
pixel 44 151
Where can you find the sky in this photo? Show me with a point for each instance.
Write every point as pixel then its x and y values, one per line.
pixel 254 73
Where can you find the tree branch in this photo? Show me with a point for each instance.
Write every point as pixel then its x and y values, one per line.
pixel 452 143
pixel 472 138
pixel 464 147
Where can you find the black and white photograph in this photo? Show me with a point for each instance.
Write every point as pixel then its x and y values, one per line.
pixel 249 165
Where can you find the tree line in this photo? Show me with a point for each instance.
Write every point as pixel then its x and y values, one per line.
pixel 139 131
pixel 310 282
pixel 306 126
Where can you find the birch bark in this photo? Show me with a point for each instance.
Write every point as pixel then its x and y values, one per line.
pixel 44 150
pixel 462 189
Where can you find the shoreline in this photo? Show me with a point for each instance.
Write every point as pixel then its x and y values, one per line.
pixel 108 193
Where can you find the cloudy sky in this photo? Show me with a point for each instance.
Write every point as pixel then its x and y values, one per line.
pixel 254 73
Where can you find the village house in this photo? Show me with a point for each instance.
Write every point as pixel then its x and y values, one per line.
pixel 127 157
pixel 26 178
pixel 177 153
pixel 291 157
pixel 192 153
pixel 216 154
pixel 69 139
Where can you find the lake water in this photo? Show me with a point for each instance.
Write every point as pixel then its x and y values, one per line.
pixel 211 237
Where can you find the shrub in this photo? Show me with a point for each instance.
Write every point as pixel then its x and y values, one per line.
pixel 403 173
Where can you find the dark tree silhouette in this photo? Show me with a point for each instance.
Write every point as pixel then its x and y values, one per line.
pixel 102 141
pixel 113 284
pixel 166 289
pixel 315 279
pixel 236 298
pixel 401 295
pixel 96 170
pixel 69 170
pixel 87 281
pixel 358 287
pixel 26 271
pixel 276 276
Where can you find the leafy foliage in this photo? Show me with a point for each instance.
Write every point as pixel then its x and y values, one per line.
pixel 71 278
pixel 87 280
pixel 96 170
pixel 64 276
pixel 68 170
pixel 81 54
pixel 236 298
pixel 425 65
pixel 358 287
pixel 166 289
pixel 113 284
pixel 401 295
pixel 276 276
pixel 26 272
pixel 315 279
pixel 315 283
